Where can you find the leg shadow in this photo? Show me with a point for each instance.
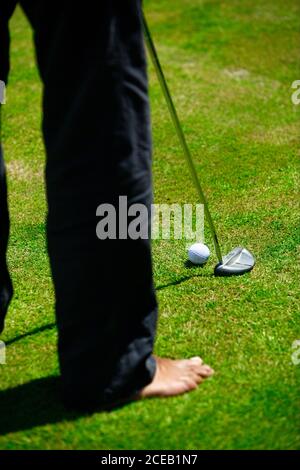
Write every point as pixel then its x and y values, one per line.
pixel 32 404
pixel 38 403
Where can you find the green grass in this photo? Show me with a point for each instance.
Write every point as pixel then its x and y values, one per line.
pixel 230 66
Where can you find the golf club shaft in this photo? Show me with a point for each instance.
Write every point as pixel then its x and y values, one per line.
pixel 181 136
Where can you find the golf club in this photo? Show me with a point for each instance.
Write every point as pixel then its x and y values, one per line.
pixel 239 260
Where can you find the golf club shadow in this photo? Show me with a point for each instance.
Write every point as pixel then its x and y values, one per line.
pixel 36 331
pixel 183 279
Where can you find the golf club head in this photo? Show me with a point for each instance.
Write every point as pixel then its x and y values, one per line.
pixel 238 261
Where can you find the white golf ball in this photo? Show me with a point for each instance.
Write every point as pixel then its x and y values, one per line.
pixel 198 253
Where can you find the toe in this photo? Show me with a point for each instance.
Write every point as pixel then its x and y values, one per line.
pixel 205 371
pixel 190 384
pixel 196 360
pixel 198 378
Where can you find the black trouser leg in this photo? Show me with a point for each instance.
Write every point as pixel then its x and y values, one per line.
pixel 6 290
pixel 97 135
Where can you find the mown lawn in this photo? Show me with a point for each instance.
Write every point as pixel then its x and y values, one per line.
pixel 230 66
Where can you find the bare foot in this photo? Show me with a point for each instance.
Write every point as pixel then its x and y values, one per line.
pixel 175 377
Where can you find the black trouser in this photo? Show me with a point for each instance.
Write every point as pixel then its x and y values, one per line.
pixel 96 129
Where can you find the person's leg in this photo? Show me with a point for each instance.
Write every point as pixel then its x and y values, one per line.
pixel 6 291
pixel 97 136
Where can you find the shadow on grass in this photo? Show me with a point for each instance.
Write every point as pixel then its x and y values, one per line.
pixel 36 331
pixel 188 264
pixel 184 279
pixel 38 403
pixel 32 404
